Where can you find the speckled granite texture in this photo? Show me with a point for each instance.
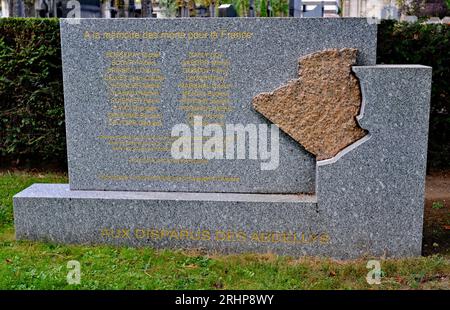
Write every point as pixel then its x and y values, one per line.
pixel 369 197
pixel 102 156
pixel 372 193
pixel 286 224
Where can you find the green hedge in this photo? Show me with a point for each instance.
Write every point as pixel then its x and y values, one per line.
pixel 31 95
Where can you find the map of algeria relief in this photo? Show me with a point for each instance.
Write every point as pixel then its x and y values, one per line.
pixel 319 108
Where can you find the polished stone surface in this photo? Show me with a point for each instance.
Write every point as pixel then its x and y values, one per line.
pixel 369 200
pixel 118 130
pixel 285 224
pixel 378 184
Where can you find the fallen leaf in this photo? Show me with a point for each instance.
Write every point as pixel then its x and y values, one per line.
pixel 218 285
pixel 400 280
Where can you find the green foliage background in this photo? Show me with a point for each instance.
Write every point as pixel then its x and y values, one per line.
pixel 280 8
pixel 31 95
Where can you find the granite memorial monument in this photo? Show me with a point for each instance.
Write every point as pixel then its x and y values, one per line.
pixel 236 135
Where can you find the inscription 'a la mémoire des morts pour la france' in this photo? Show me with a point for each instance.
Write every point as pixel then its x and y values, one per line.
pixel 139 85
pixel 136 78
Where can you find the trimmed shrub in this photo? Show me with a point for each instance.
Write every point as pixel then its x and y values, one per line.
pixel 31 94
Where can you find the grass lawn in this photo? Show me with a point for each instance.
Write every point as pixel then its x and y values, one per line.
pixel 32 265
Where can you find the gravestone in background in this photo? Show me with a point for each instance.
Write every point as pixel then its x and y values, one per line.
pixel 227 10
pixel 343 176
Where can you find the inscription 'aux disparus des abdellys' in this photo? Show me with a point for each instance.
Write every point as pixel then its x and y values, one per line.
pixel 318 109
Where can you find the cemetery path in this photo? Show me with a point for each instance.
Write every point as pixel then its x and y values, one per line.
pixel 437 213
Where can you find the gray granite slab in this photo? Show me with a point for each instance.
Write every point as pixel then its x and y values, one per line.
pixel 221 222
pixel 110 148
pixel 378 184
pixel 369 198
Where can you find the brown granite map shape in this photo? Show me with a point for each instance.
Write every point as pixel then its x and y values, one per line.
pixel 318 109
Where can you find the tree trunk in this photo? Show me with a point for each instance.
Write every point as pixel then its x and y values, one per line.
pixel 147 8
pixel 251 8
pixel 212 9
pixel 123 8
pixel 150 8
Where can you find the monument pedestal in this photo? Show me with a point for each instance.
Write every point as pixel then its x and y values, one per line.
pixel 293 225
pixel 284 224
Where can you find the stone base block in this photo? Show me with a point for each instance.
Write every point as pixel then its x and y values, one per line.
pixel 227 223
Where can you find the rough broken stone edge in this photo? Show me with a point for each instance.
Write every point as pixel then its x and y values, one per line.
pixel 341 152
